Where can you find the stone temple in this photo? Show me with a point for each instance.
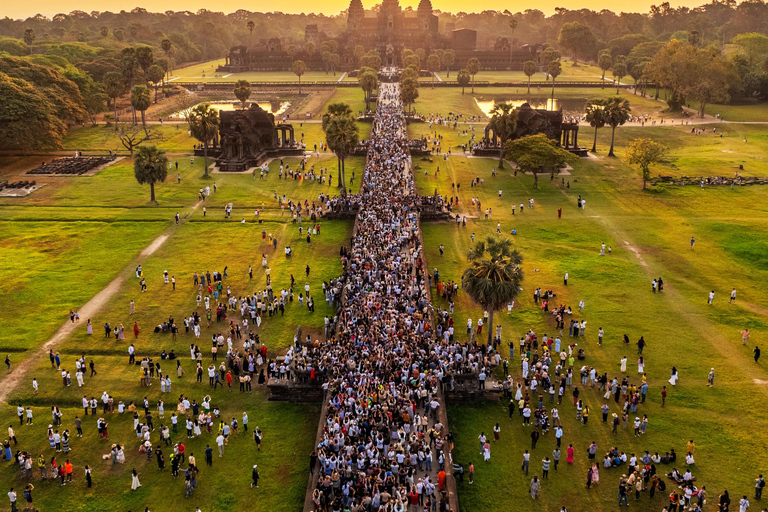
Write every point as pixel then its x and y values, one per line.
pixel 388 30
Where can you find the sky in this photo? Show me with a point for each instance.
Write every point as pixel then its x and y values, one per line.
pixel 51 7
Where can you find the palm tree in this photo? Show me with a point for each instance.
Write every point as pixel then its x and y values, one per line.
pixel 141 99
pixel 513 25
pixel 616 113
pixel 503 123
pixel 494 276
pixel 155 74
pixel 335 110
pixel 529 68
pixel 433 65
pixel 114 87
pixel 167 46
pixel 251 25
pixel 554 69
pixel 150 166
pixel 463 79
pixel 299 68
pixel 368 81
pixel 342 137
pixel 473 66
pixel 447 60
pixel 204 124
pixel 243 91
pixel 595 114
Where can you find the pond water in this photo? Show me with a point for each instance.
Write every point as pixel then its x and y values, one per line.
pixel 273 107
pixel 570 106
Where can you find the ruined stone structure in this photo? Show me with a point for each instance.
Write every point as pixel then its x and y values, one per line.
pixel 532 121
pixel 388 30
pixel 248 137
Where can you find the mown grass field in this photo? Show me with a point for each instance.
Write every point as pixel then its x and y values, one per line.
pixel 66 241
pixel 649 233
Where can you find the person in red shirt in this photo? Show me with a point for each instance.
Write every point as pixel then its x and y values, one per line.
pixel 414 497
pixel 441 479
pixel 229 380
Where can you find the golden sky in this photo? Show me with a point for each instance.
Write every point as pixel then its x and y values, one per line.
pixel 51 7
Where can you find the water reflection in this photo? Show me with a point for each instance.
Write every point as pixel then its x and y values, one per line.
pixel 570 106
pixel 273 107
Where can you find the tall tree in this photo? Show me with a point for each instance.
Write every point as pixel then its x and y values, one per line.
pixel 204 125
pixel 299 68
pixel 546 57
pixel 168 50
pixel 554 70
pixel 368 81
pixel 150 166
pixel 494 277
pixel 503 123
pixel 619 71
pixel 145 57
pixel 250 25
pixel 529 68
pixel 342 136
pixel 645 152
pixel 29 36
pixel 535 153
pixel 409 91
pixel 473 67
pixel 114 87
pixel 616 114
pixel 448 58
pixel 577 38
pixel 463 78
pixel 335 110
pixel 141 99
pixel 243 91
pixel 513 26
pixel 595 115
pixel 359 52
pixel 605 62
pixel 155 74
pixel 433 66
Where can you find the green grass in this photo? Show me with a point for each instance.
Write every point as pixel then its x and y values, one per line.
pixel 616 288
pixel 65 241
pixel 571 99
pixel 206 72
pixel 171 137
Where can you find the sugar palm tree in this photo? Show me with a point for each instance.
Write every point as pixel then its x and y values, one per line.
pixel 141 99
pixel 342 137
pixel 503 123
pixel 494 276
pixel 204 124
pixel 149 167
pixel 616 113
pixel 335 110
pixel 529 68
pixel 595 115
pixel 243 91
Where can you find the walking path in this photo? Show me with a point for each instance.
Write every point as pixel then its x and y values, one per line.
pixel 379 378
pixel 88 310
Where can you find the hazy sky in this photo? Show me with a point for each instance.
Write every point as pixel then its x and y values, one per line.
pixel 51 7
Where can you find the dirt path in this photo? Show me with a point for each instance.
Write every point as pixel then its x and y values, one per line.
pixel 12 380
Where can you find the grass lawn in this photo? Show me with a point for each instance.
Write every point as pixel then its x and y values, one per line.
pixel 580 73
pixel 649 233
pixel 571 100
pixel 171 137
pixel 52 266
pixel 65 241
pixel 225 485
pixel 206 72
